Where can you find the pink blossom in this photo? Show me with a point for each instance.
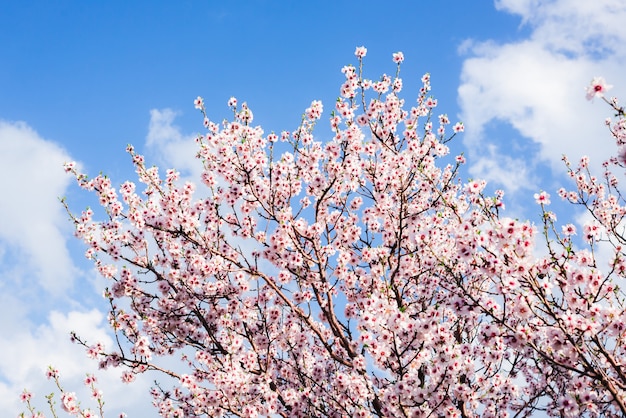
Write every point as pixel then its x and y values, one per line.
pixel 568 229
pixel 90 379
pixel 94 350
pixel 475 186
pixel 68 403
pixel 87 413
pixel 69 166
pixel 597 88
pixel 398 57
pixel 360 52
pixel 315 111
pixel 245 115
pixel 25 396
pixel 542 198
pixel 52 373
pixel 592 231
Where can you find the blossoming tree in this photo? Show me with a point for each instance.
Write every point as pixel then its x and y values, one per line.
pixel 358 276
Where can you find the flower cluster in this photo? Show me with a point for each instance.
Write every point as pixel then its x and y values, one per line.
pixel 69 402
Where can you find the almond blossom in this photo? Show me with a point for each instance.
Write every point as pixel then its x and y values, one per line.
pixel 597 88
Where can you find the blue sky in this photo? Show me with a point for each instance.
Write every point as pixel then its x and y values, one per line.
pixel 80 80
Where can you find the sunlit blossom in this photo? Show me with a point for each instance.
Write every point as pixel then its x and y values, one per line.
pixel 597 88
pixel 542 198
pixel 198 103
pixel 360 52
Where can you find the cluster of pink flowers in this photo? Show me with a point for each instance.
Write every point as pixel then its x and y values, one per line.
pixel 69 401
pixel 357 276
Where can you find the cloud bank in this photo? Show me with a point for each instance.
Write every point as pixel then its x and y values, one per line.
pixel 535 86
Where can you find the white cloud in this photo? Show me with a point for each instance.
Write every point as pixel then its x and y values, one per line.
pixel 29 349
pixel 171 147
pixel 33 226
pixel 32 344
pixel 579 27
pixel 536 85
pixel 510 173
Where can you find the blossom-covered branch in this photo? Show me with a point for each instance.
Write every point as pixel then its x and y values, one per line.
pixel 358 275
